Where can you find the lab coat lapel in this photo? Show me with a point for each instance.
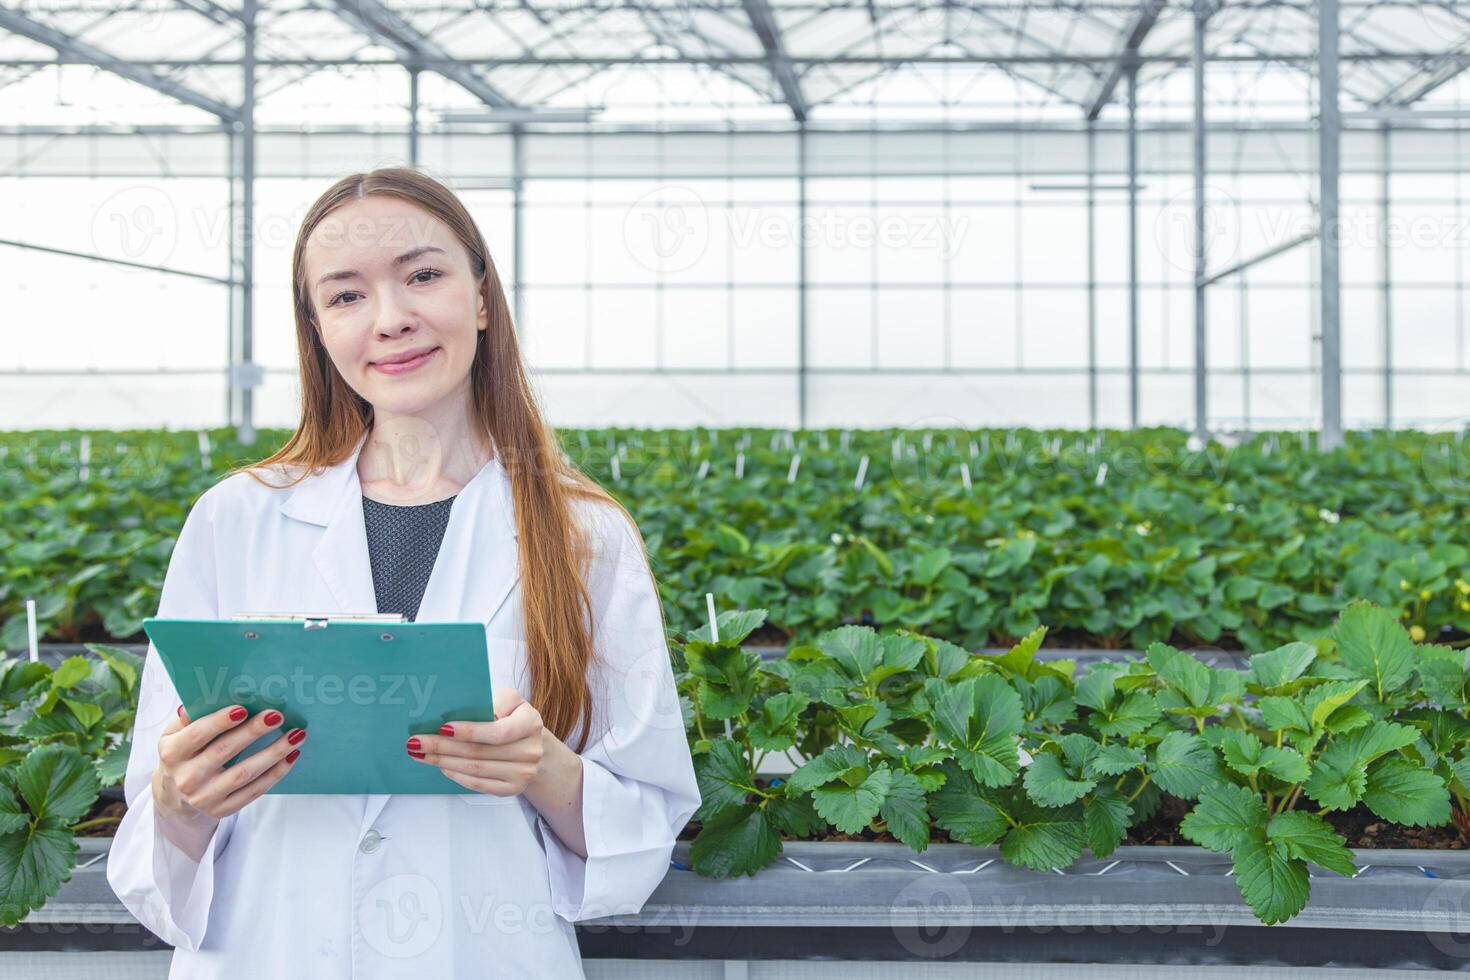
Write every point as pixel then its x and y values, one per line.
pixel 475 570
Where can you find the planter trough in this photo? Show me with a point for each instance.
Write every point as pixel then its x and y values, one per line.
pixel 953 902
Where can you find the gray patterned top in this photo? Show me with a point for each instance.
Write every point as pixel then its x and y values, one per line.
pixel 403 541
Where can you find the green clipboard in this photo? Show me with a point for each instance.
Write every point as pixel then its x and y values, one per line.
pixel 359 685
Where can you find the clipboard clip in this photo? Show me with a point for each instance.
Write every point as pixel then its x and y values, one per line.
pixel 320 621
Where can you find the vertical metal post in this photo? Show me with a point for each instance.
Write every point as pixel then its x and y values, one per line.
pixel 801 274
pixel 1329 136
pixel 518 227
pixel 246 431
pixel 1386 271
pixel 1091 275
pixel 413 117
pixel 232 291
pixel 1133 246
pixel 1201 257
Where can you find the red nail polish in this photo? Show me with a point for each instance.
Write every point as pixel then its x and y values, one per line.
pixel 273 717
pixel 181 711
pixel 414 744
pixel 297 734
pixel 417 755
pixel 446 730
pixel 237 713
pixel 291 756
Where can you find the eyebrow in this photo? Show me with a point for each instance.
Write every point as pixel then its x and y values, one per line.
pixel 408 256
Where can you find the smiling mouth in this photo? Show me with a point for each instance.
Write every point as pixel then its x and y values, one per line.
pixel 402 367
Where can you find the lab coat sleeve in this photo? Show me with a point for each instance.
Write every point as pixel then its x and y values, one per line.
pixel 638 783
pixel 166 889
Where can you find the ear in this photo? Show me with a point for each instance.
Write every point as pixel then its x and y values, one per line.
pixel 483 317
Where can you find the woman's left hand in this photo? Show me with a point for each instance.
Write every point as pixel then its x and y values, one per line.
pixel 502 757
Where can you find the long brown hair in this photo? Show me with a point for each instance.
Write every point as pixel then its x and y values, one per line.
pixel 553 550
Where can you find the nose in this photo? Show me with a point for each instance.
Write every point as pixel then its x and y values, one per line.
pixel 392 318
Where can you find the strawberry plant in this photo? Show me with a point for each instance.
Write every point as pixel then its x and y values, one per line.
pixel 899 733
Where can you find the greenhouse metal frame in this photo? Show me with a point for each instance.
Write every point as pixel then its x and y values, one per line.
pixel 797 56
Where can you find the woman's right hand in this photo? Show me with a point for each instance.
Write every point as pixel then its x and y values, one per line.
pixel 192 789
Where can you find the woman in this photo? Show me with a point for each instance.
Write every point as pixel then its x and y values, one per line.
pixel 415 406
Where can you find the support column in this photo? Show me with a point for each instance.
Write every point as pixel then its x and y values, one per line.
pixel 801 275
pixel 1091 275
pixel 1133 246
pixel 413 117
pixel 1329 136
pixel 1385 202
pixel 245 433
pixel 1201 257
pixel 232 291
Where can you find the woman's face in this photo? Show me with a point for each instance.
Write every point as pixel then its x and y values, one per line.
pixel 387 279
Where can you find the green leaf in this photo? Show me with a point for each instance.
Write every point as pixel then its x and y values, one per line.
pixel 1322 701
pixel 128 666
pixel 12 817
pixel 1136 713
pixel 1106 818
pixel 71 671
pixel 776 728
pixel 929 565
pixel 855 648
pixel 1334 786
pixel 1181 672
pixel 1287 713
pixel 1043 838
pixel 1407 793
pixel 851 808
pixel 794 815
pixel 980 718
pixel 828 766
pixel 88 714
pixel 1018 659
pixel 1241 751
pixel 34 864
pixel 724 778
pixel 1307 836
pixel 1047 782
pixel 1277 668
pixel 906 811
pixel 970 812
pixel 1114 760
pixel 1273 884
pixel 735 625
pixel 1184 765
pixel 1287 765
pixel 737 842
pixel 1375 647
pixel 1225 816
pixel 57 783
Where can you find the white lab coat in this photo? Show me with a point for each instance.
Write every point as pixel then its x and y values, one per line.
pixel 375 886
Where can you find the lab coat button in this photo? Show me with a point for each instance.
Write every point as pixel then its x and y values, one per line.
pixel 370 842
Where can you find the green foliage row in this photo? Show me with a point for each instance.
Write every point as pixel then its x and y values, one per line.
pixel 902 733
pixel 1110 538
pixel 63 738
